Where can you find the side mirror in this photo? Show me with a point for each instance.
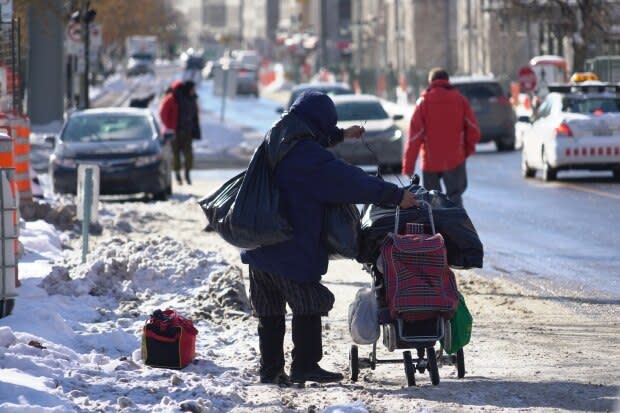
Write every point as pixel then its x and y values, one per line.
pixel 525 119
pixel 50 141
pixel 398 117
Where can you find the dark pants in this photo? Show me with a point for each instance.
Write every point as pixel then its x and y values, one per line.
pixel 455 181
pixel 269 294
pixel 182 145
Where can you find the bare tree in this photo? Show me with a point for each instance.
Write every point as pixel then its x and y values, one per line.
pixel 584 22
pixel 121 18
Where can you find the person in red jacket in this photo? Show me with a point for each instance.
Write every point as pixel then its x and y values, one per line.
pixel 444 131
pixel 169 108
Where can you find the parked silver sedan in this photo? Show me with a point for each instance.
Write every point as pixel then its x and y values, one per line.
pixel 576 127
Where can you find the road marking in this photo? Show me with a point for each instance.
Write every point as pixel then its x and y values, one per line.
pixel 592 191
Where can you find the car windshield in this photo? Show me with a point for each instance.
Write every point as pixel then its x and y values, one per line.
pixel 591 105
pixel 107 127
pixel 479 90
pixel 350 111
pixel 139 56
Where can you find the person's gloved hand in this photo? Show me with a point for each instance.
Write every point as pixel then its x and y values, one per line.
pixel 354 132
pixel 408 200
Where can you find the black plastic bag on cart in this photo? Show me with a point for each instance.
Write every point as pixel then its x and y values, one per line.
pixel 253 219
pixel 342 230
pixel 463 245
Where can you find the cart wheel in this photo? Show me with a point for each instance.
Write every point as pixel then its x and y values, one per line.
pixel 460 364
pixel 421 365
pixel 354 363
pixel 409 370
pixel 433 370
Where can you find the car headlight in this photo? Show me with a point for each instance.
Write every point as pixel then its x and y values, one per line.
pixel 147 160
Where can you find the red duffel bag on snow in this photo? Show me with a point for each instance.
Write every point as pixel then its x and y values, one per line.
pixel 419 283
pixel 168 340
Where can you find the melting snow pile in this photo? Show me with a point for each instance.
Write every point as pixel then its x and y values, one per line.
pixel 73 343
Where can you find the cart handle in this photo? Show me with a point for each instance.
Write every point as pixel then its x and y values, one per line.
pixel 420 202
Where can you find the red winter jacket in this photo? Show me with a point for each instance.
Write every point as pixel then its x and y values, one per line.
pixel 169 108
pixel 443 128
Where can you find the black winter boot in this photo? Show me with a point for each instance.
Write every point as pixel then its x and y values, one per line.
pixel 189 181
pixel 271 343
pixel 178 176
pixel 308 351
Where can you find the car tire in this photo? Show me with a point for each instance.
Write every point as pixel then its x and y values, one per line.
pixel 504 147
pixel 526 171
pixel 161 196
pixel 549 173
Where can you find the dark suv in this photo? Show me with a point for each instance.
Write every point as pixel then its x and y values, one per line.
pixel 492 107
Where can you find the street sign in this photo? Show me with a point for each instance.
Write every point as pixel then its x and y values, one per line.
pixel 73 39
pixel 96 35
pixel 527 79
pixel 74 32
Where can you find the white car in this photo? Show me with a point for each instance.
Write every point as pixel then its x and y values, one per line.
pixel 576 127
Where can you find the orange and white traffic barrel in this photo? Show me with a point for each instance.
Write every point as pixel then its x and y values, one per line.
pixel 21 148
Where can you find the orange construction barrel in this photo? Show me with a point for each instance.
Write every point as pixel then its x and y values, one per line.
pixel 22 158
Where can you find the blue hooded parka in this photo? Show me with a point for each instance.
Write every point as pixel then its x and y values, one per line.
pixel 309 178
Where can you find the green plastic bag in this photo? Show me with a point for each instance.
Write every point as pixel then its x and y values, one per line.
pixel 460 324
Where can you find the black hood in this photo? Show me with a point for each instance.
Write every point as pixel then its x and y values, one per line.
pixel 319 113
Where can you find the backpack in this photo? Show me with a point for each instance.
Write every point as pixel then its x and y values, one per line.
pixel 168 340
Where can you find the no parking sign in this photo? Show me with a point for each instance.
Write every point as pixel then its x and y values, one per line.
pixel 527 79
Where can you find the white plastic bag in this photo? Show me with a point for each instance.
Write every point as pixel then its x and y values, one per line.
pixel 363 318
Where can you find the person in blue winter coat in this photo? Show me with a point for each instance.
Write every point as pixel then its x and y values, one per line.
pixel 309 178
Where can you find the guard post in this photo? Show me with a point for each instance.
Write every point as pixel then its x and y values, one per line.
pixel 87 201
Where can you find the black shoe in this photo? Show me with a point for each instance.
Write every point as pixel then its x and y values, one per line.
pixel 316 374
pixel 189 181
pixel 179 180
pixel 281 379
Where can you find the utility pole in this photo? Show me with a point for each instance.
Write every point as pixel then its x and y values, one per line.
pixel 85 15
pixel 84 93
pixel 398 36
pixel 469 54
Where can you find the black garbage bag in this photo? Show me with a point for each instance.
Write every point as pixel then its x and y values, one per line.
pixel 464 247
pixel 255 217
pixel 245 211
pixel 217 204
pixel 341 230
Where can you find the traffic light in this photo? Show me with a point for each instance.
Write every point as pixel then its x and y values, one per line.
pixel 89 16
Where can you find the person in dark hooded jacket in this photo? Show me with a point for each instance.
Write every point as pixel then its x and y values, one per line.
pixel 309 178
pixel 188 129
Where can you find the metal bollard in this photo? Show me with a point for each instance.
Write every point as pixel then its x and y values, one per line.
pixel 87 201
